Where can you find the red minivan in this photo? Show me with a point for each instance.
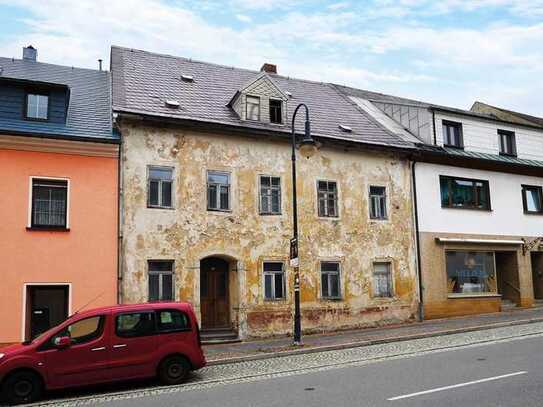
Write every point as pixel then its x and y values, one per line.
pixel 121 342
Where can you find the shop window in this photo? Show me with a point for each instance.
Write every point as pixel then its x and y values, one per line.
pixel 464 193
pixel 470 272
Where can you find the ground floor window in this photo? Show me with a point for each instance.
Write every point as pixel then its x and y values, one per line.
pixel 382 280
pixel 330 286
pixel 471 272
pixel 160 280
pixel 274 280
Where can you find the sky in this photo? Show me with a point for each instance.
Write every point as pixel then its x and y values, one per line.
pixel 450 52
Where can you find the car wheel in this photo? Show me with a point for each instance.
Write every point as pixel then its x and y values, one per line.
pixel 173 370
pixel 22 387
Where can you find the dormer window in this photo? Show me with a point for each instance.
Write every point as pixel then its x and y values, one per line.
pixel 276 111
pixel 253 108
pixel 452 134
pixel 37 106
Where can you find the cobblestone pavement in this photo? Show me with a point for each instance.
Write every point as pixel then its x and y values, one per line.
pixel 258 347
pixel 299 364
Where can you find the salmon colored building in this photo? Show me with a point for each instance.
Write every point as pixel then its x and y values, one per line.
pixel 59 194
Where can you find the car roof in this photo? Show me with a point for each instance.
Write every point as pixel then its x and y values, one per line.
pixel 185 306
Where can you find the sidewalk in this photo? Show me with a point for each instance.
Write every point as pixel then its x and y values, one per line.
pixel 268 348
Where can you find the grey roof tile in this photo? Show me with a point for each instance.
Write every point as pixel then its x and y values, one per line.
pixel 89 111
pixel 143 81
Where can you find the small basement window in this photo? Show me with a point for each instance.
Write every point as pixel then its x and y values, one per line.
pixel 37 106
pixel 276 111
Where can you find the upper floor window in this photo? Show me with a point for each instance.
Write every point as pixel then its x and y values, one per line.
pixel 378 202
pixel 276 111
pixel 253 107
pixel 532 199
pixel 327 198
pixel 274 280
pixel 464 193
pixel 160 187
pixel 452 134
pixel 507 143
pixel 330 284
pixel 49 203
pixel 37 106
pixel 160 280
pixel 218 191
pixel 270 195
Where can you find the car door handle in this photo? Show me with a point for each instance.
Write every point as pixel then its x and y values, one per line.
pixel 98 349
pixel 122 345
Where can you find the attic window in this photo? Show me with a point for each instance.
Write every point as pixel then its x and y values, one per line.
pixel 187 78
pixel 276 111
pixel 172 104
pixel 346 129
pixel 253 108
pixel 37 106
pixel 289 94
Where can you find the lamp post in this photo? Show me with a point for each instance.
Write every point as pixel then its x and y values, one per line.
pixel 308 148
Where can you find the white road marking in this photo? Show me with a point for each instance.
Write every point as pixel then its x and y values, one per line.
pixel 454 386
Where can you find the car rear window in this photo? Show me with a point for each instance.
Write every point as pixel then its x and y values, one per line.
pixel 172 320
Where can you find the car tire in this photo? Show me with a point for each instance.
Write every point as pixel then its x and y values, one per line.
pixel 173 370
pixel 22 387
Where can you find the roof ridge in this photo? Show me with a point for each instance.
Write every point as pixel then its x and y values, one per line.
pixel 198 61
pixel 53 65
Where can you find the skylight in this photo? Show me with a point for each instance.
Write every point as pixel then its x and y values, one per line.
pixel 346 129
pixel 173 104
pixel 187 78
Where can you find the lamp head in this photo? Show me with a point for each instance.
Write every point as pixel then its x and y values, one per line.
pixel 308 146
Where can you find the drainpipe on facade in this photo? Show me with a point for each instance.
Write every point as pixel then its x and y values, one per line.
pixel 119 223
pixel 417 241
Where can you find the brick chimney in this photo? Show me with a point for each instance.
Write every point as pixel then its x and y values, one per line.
pixel 30 53
pixel 269 68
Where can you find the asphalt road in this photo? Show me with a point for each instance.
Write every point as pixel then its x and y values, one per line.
pixel 494 374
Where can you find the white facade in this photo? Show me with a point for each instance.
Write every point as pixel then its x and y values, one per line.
pixel 482 135
pixel 506 218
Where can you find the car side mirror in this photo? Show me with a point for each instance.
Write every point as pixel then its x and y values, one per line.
pixel 62 342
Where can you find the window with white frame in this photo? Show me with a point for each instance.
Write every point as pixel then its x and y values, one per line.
pixel 37 106
pixel 378 202
pixel 274 280
pixel 49 203
pixel 327 198
pixel 159 188
pixel 270 195
pixel 382 279
pixel 161 283
pixel 218 191
pixel 253 108
pixel 330 280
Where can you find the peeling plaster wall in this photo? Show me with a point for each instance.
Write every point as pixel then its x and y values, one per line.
pixel 190 233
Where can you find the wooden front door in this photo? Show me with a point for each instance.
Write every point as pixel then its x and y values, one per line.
pixel 214 304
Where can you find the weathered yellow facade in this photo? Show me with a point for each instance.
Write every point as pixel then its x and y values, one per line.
pixel 189 232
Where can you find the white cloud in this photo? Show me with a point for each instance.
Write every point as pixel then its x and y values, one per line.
pixel 244 18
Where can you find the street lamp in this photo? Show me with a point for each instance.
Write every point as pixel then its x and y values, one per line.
pixel 308 147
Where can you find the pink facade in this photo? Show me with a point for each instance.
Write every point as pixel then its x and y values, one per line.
pixel 48 274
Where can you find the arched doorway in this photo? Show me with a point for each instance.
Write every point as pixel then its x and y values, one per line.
pixel 214 293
